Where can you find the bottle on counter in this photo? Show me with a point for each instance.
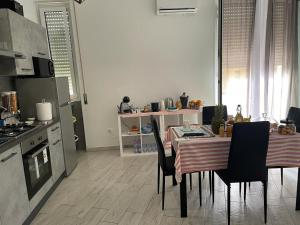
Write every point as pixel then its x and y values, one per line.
pixel 13 102
pixel 222 130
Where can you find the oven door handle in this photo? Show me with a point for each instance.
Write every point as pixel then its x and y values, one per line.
pixel 38 151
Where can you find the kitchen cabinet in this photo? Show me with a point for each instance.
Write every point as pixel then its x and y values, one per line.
pixel 24 39
pixel 56 151
pixel 14 203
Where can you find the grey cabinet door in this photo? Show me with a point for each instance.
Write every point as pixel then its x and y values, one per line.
pixel 39 41
pixel 14 203
pixel 56 151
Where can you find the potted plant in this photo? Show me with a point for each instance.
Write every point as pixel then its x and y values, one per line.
pixel 217 119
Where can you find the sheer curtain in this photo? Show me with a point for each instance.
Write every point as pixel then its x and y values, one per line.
pixel 260 61
pixel 282 88
pixel 238 25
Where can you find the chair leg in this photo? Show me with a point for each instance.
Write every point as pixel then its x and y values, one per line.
pixel 191 181
pixel 245 190
pixel 265 200
pixel 228 203
pixel 158 178
pixel 163 193
pixel 213 186
pixel 200 189
pixel 240 187
pixel 209 178
pixel 281 174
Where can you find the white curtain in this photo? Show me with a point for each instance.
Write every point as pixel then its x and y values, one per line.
pixel 273 81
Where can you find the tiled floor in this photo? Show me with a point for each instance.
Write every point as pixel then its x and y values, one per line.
pixel 107 190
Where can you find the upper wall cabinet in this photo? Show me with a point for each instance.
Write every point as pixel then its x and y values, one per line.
pixel 20 39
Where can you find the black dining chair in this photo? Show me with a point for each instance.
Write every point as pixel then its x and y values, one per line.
pixel 247 158
pixel 207 115
pixel 166 164
pixel 293 114
pixel 209 112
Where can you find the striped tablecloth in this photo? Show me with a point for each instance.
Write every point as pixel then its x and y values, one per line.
pixel 203 154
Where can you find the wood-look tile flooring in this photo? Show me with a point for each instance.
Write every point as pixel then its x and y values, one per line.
pixel 108 190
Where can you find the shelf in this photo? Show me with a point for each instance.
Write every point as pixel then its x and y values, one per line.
pixel 150 134
pixel 130 135
pixel 130 152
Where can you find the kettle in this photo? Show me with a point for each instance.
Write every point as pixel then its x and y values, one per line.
pixel 169 103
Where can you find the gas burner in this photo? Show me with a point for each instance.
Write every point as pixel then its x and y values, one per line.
pixel 10 131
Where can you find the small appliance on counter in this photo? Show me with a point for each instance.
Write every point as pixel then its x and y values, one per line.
pixel 43 67
pixel 12 5
pixel 124 106
pixel 169 103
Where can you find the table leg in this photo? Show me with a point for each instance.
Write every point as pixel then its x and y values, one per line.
pixel 183 200
pixel 174 176
pixel 298 192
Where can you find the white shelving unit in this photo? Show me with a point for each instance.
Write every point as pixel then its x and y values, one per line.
pixel 140 119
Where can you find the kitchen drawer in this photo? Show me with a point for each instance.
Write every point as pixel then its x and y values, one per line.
pixel 54 133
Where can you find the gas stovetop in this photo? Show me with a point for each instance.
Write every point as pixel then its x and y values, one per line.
pixel 3 141
pixel 11 131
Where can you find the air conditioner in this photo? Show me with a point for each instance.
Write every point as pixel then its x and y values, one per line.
pixel 166 7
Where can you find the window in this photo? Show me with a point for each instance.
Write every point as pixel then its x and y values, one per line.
pixel 57 22
pixel 237 32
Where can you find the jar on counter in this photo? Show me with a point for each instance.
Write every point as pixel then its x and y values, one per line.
pixel 13 102
pixel 5 98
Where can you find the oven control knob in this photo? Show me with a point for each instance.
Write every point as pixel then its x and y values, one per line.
pixel 32 143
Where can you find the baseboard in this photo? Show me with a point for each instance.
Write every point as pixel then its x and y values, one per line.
pixel 103 148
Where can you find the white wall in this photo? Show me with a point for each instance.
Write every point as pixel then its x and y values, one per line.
pixel 29 8
pixel 127 49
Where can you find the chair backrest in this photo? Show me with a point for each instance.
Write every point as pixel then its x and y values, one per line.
pixel 160 146
pixel 294 114
pixel 248 152
pixel 209 112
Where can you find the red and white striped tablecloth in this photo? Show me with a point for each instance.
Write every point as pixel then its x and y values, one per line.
pixel 203 154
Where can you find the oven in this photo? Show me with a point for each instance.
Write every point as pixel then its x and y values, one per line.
pixel 37 163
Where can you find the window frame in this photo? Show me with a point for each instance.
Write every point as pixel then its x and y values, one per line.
pixel 48 7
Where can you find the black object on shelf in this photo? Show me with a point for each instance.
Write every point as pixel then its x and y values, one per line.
pixel 12 5
pixel 155 107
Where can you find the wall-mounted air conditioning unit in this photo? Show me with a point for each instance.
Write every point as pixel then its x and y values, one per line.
pixel 166 7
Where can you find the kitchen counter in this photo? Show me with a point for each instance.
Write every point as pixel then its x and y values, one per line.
pixel 15 141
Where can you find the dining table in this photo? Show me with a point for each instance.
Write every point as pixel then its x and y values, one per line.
pixel 197 154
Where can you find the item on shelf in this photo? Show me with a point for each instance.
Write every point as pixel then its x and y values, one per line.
pixel 172 109
pixel 239 117
pixel 169 103
pixel 147 129
pixel 178 104
pixel 134 129
pixel 137 146
pixel 155 107
pixel 217 120
pixel 124 106
pixel 146 109
pixel 184 99
pixel 195 104
pixel 162 105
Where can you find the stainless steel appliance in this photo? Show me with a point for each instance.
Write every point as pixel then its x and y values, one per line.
pixel 36 161
pixel 56 91
pixel 43 67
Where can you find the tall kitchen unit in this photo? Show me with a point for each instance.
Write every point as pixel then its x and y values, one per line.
pixel 56 91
